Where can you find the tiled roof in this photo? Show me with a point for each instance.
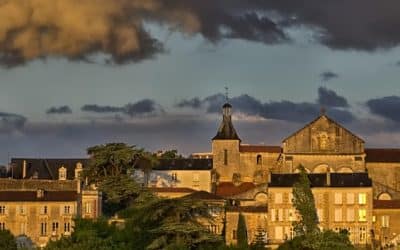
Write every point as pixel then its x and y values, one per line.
pixel 45 168
pixel 203 195
pixel 184 164
pixel 387 204
pixel 320 180
pixel 382 155
pixel 248 209
pixel 260 148
pixel 229 189
pixel 172 190
pixel 32 196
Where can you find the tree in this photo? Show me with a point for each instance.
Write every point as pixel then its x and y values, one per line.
pixel 259 241
pixel 170 224
pixel 146 162
pixel 308 236
pixel 242 231
pixel 7 240
pixel 111 168
pixel 171 154
pixel 303 201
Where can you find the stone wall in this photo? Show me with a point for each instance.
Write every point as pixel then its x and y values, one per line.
pixel 226 172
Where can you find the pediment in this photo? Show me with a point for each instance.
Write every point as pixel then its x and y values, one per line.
pixel 323 136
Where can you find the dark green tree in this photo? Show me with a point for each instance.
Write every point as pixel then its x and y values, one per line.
pixel 7 240
pixel 112 168
pixel 303 201
pixel 308 236
pixel 259 241
pixel 242 231
pixel 171 154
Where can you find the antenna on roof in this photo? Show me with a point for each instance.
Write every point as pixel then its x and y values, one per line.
pixel 226 93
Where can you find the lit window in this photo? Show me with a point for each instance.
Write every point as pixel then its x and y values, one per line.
pixel 362 198
pixel 338 198
pixel 350 198
pixel 278 198
pixel 280 214
pixel 385 221
pixel 362 215
pixel 273 215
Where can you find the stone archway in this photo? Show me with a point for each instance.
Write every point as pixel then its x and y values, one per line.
pixel 297 170
pixel 322 168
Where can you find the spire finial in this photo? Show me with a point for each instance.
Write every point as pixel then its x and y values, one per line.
pixel 226 93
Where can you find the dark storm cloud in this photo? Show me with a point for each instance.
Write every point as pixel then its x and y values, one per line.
pixel 143 107
pixel 191 103
pixel 101 109
pixel 12 121
pixel 329 98
pixel 59 110
pixel 387 107
pixel 328 75
pixel 279 110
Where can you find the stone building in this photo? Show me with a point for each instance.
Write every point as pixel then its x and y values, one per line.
pixel 44 196
pixel 243 173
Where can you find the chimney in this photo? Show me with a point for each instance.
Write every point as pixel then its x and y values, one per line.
pixel 24 169
pixel 328 177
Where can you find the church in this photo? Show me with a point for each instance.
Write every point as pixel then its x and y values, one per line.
pixel 355 188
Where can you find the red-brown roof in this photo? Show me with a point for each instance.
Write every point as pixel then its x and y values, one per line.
pixel 32 196
pixel 229 189
pixel 203 195
pixel 382 155
pixel 260 148
pixel 387 204
pixel 248 209
pixel 172 190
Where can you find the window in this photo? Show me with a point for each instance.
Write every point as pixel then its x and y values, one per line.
pixel 385 220
pixel 43 228
pixel 2 209
pixel 88 207
pixel 67 227
pixel 54 227
pixel 278 198
pixel 2 226
pixel 362 198
pixel 273 215
pixel 320 213
pixel 338 198
pixel 259 160
pixel 196 177
pixel 362 215
pixel 234 235
pixel 338 214
pixel 292 215
pixel 43 210
pixel 225 157
pixel 22 228
pixel 67 209
pixel 280 214
pixel 290 198
pixel 350 198
pixel 363 234
pixel 22 209
pixel 350 214
pixel 174 177
pixel 279 233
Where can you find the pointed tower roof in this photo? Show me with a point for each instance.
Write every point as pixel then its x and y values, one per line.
pixel 226 131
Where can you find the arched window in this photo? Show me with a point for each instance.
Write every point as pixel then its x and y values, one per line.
pixel 259 160
pixel 384 196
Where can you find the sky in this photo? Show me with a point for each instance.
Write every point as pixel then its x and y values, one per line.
pixel 153 73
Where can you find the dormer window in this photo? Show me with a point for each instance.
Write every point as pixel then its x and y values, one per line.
pixel 78 170
pixel 62 173
pixel 39 193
